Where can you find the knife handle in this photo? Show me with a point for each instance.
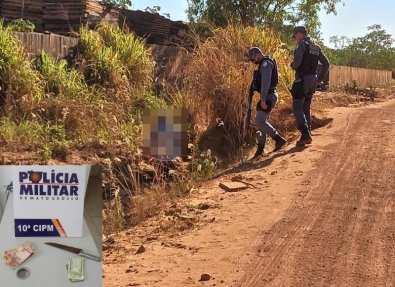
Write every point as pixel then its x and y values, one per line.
pixel 91 257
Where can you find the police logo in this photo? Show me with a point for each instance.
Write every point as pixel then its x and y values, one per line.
pixel 35 177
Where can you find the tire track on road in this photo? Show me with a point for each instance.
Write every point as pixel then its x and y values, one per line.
pixel 327 238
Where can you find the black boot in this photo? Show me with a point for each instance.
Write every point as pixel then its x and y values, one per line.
pixel 259 152
pixel 304 139
pixel 280 142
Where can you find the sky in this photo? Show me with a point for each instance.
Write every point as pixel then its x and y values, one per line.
pixel 351 20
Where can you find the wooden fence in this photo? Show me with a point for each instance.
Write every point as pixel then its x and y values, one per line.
pixel 54 45
pixel 341 76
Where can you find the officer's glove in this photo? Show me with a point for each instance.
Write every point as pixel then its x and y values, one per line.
pixel 320 86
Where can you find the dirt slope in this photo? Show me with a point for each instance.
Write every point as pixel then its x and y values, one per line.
pixel 321 216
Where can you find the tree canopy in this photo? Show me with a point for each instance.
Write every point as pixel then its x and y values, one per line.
pixel 374 50
pixel 275 14
pixel 124 4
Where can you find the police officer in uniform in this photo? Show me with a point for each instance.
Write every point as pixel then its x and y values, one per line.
pixel 306 57
pixel 265 82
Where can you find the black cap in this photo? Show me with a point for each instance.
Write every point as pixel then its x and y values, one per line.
pixel 254 51
pixel 299 29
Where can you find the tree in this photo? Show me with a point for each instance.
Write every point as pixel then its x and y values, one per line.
pixel 156 10
pixel 123 4
pixel 340 42
pixel 374 50
pixel 275 14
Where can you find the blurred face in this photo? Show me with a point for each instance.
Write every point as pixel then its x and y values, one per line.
pixel 255 59
pixel 299 36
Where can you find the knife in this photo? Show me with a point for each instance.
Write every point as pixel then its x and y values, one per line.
pixel 74 250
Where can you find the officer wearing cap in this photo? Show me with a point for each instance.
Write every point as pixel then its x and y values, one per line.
pixel 306 57
pixel 265 82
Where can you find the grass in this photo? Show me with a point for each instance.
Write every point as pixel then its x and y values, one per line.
pixel 93 105
pixel 31 131
pixel 141 198
pixel 49 139
pixel 59 80
pixel 116 59
pixel 20 83
pixel 46 92
pixel 131 52
pixel 53 109
pixel 113 214
pixel 96 105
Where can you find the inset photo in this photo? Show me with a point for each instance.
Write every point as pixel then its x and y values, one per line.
pixel 50 226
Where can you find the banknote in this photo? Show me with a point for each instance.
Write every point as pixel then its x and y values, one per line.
pixel 75 269
pixel 16 256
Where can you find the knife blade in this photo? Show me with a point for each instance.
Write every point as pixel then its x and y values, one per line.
pixel 74 250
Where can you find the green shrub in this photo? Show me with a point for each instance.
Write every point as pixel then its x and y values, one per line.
pixel 60 80
pixel 150 101
pixel 116 59
pixel 31 131
pixel 132 52
pixel 22 25
pixel 130 134
pixel 104 64
pixel 203 164
pixel 17 76
pixel 7 129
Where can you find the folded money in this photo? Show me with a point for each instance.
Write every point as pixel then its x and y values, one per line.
pixel 16 256
pixel 75 269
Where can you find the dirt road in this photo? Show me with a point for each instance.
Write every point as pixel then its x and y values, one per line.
pixel 342 233
pixel 322 216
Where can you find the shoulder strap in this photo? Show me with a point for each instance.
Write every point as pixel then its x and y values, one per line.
pixel 267 58
pixel 307 45
pixel 271 60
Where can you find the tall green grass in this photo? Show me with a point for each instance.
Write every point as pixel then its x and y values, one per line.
pixel 116 59
pixel 131 51
pixel 51 105
pixel 31 131
pixel 59 79
pixel 18 80
pixel 103 62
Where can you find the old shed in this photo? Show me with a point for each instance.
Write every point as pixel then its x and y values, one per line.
pixel 66 17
